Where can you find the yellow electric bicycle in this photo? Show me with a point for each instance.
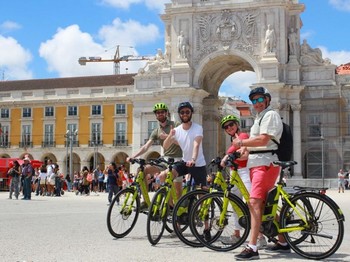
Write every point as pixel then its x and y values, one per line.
pixel 184 205
pixel 125 207
pixel 311 222
pixel 160 214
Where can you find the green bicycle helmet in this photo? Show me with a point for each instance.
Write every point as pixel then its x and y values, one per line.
pixel 160 106
pixel 228 118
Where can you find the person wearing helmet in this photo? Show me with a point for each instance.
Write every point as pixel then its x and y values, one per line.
pixel 263 174
pixel 189 136
pixel 231 125
pixel 161 112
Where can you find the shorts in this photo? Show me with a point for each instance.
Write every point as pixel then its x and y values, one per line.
pixel 263 179
pixel 199 174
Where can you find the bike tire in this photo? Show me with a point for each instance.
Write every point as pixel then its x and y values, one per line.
pixel 325 232
pixel 237 218
pixel 155 220
pixel 122 215
pixel 181 214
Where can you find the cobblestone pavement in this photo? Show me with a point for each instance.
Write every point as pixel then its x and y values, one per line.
pixel 73 228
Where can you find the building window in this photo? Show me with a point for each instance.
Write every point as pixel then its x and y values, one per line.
pixel 48 135
pixel 26 135
pixel 72 110
pixel 49 111
pixel 27 112
pixel 120 109
pixel 243 123
pixel 5 113
pixel 4 136
pixel 96 110
pixel 96 134
pixel 314 125
pixel 120 133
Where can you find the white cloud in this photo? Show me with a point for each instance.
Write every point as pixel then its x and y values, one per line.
pixel 9 26
pixel 125 4
pixel 336 57
pixel 342 5
pixel 238 85
pixel 14 59
pixel 130 33
pixel 63 50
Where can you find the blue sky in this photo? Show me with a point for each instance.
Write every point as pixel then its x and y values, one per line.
pixel 45 38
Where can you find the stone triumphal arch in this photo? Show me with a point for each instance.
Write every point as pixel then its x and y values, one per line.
pixel 208 40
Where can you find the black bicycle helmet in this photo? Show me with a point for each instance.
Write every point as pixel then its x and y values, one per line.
pixel 160 106
pixel 259 91
pixel 185 105
pixel 228 118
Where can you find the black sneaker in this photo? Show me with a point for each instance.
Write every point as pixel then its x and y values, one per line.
pixel 207 235
pixel 247 254
pixel 278 248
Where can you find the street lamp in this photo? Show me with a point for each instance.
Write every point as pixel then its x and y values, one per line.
pixel 70 138
pixel 95 154
pixel 322 152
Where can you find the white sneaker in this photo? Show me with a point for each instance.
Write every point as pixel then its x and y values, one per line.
pixel 230 240
pixel 261 243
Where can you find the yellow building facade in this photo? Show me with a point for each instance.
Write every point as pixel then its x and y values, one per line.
pixel 88 118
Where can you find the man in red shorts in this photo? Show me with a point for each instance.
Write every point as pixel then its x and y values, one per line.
pixel 263 174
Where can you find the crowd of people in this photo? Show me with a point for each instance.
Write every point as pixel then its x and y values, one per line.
pixel 48 180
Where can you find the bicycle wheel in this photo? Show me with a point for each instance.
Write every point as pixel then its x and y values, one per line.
pixel 226 235
pixel 157 216
pixel 181 214
pixel 298 236
pixel 123 213
pixel 324 231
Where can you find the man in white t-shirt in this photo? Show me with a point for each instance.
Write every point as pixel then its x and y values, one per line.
pixel 188 136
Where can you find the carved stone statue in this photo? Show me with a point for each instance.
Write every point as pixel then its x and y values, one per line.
pixel 167 53
pixel 293 42
pixel 182 45
pixel 310 56
pixel 154 66
pixel 270 40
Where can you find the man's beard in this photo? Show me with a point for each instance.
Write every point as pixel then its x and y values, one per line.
pixel 163 120
pixel 187 120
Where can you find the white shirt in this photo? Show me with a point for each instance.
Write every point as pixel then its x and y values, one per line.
pixel 271 125
pixel 185 139
pixel 49 169
pixel 42 175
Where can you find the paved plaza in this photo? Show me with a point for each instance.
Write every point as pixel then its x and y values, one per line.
pixel 73 228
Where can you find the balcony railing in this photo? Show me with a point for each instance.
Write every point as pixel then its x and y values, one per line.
pixel 4 144
pixel 75 143
pixel 25 144
pixel 48 144
pixel 95 143
pixel 122 142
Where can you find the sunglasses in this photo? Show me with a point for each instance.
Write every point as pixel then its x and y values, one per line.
pixel 260 100
pixel 229 125
pixel 185 112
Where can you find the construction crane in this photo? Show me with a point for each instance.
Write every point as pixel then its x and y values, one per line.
pixel 116 60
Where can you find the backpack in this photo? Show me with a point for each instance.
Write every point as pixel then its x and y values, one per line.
pixel 285 147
